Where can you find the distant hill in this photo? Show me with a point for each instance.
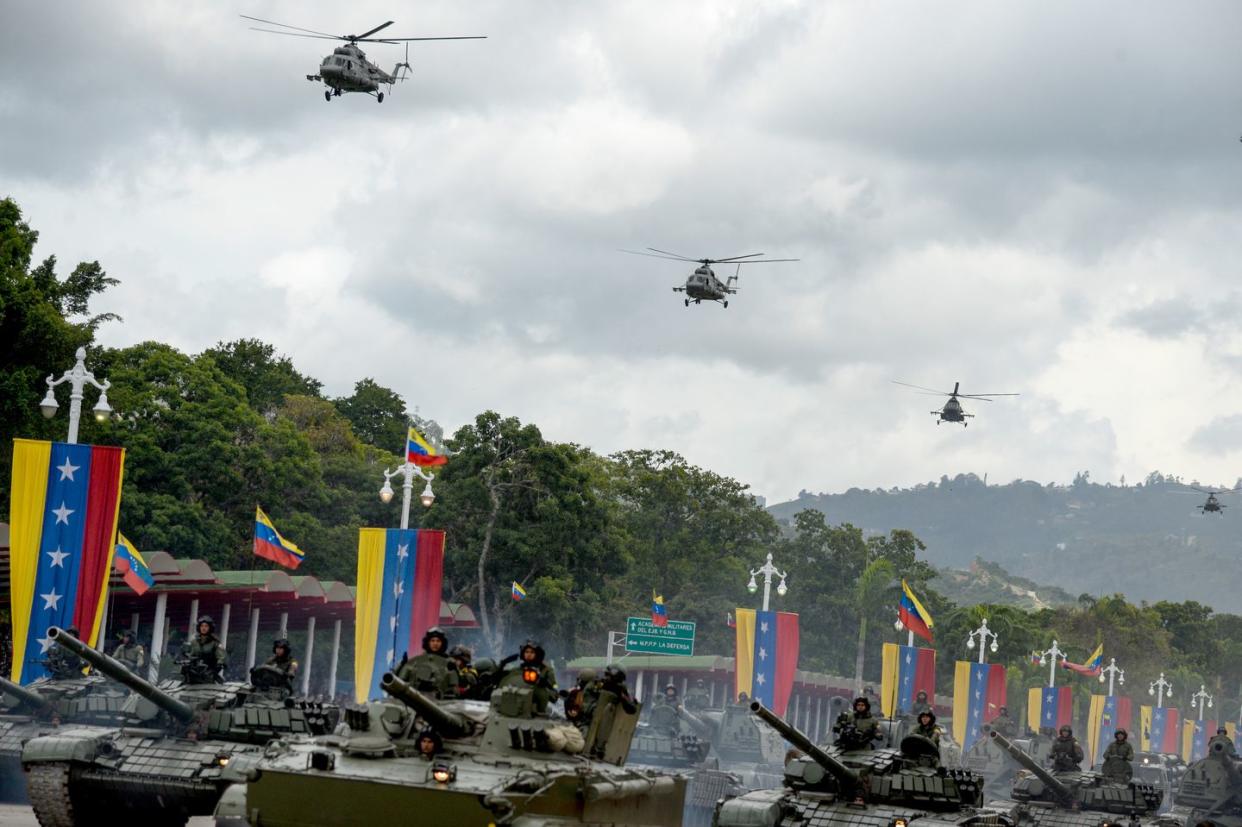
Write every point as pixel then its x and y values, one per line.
pixel 986 582
pixel 1147 541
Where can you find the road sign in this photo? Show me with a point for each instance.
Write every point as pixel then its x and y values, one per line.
pixel 643 636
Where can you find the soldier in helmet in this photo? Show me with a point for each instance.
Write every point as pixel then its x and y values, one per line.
pixel 205 654
pixel 429 744
pixel 430 671
pixel 698 697
pixel 921 704
pixel 62 663
pixel 1222 737
pixel 1066 753
pixel 927 727
pixel 613 697
pixel 671 696
pixel 580 701
pixel 1118 756
pixel 130 652
pixel 1004 724
pixel 461 661
pixel 282 661
pixel 532 671
pixel 857 729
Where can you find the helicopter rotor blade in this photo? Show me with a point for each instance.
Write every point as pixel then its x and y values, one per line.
pixel 932 391
pixel 675 255
pixel 985 397
pixel 653 255
pixel 412 39
pixel 287 26
pixel 365 35
pixel 295 34
pixel 768 260
pixel 730 259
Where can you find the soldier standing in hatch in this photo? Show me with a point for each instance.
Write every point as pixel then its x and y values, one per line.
pixel 467 676
pixel 857 729
pixel 1004 724
pixel 921 704
pixel 698 697
pixel 62 663
pixel 206 654
pixel 532 671
pixel 429 672
pixel 1117 765
pixel 282 661
pixel 1222 737
pixel 130 653
pixel 1066 753
pixel 580 701
pixel 927 727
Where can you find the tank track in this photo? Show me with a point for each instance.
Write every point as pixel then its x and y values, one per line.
pixel 48 786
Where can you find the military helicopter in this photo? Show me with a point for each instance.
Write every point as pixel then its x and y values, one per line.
pixel 1213 505
pixel 703 285
pixel 347 68
pixel 952 410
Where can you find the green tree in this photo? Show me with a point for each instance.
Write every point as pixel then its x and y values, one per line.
pixel 266 377
pixel 874 585
pixel 377 414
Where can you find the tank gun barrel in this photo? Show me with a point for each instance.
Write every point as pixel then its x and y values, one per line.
pixel 844 775
pixel 1029 763
pixel 24 696
pixel 448 724
pixel 703 727
pixel 117 671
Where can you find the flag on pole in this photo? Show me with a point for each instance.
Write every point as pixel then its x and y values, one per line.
pixel 519 593
pixel 62 534
pixel 420 452
pixel 400 580
pixel 912 614
pixel 767 656
pixel 1161 726
pixel 659 612
pixel 1049 707
pixel 978 694
pixel 904 672
pixel 269 545
pixel 1092 668
pixel 1195 737
pixel 130 565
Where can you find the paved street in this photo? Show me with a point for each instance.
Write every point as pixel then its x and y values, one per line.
pixel 13 815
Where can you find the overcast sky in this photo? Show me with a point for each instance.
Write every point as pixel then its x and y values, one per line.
pixel 1034 197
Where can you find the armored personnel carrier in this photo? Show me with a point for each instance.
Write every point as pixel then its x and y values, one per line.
pixel 164 763
pixel 739 744
pixel 1211 789
pixel 1074 799
pixel 868 788
pixel 461 762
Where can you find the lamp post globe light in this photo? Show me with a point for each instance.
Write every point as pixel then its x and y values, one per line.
pixel 407 471
pixel 77 377
pixel 1161 688
pixel 982 633
pixel 767 570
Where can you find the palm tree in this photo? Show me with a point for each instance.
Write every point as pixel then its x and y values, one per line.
pixel 873 586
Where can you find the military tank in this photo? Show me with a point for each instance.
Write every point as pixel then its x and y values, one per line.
pixel 1075 799
pixel 990 760
pixel 164 763
pixel 740 745
pixel 1210 790
pixel 864 787
pixel 485 763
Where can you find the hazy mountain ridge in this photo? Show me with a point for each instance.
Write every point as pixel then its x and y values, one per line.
pixel 986 582
pixel 1147 541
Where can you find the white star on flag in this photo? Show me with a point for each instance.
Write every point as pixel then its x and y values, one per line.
pixel 763 653
pixel 45 643
pixel 51 600
pixel 978 694
pixel 759 679
pixel 763 627
pixel 398 588
pixel 392 624
pixel 403 551
pixel 62 513
pixel 58 557
pixel 66 470
pixel 391 657
pixel 908 657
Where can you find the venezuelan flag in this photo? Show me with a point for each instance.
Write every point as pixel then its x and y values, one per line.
pixel 270 545
pixel 1092 668
pixel 979 691
pixel 419 452
pixel 519 593
pixel 129 563
pixel 912 614
pixel 767 656
pixel 659 612
pixel 904 672
pixel 400 580
pixel 62 532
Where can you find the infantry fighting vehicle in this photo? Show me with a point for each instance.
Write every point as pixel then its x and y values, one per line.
pixel 164 764
pixel 661 741
pixel 740 745
pixel 42 707
pixel 1211 789
pixel 1075 799
pixel 486 763
pixel 863 787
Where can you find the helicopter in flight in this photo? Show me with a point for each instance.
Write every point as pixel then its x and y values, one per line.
pixel 703 284
pixel 347 68
pixel 952 410
pixel 1212 505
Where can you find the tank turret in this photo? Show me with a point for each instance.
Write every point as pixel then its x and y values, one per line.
pixel 846 778
pixel 448 724
pixel 1214 784
pixel 116 670
pixel 1060 790
pixel 706 725
pixel 23 698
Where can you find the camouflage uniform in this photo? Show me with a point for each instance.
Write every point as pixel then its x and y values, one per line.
pixel 698 697
pixel 1066 755
pixel 429 672
pixel 283 663
pixel 866 728
pixel 1005 725
pixel 544 681
pixel 921 704
pixel 1117 765
pixel 131 654
pixel 1222 737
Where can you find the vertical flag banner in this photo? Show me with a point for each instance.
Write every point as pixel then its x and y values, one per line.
pixel 978 695
pixel 1165 730
pixel 1104 717
pixel 131 566
pixel 1049 707
pixel 767 656
pixel 904 672
pixel 659 612
pixel 62 533
pixel 420 452
pixel 1095 725
pixel 912 614
pixel 400 574
pixel 1195 736
pixel 1145 723
pixel 269 545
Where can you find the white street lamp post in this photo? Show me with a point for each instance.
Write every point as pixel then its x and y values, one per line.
pixel 1201 699
pixel 77 377
pixel 407 471
pixel 1051 654
pixel 1160 688
pixel 767 570
pixel 1114 672
pixel 983 633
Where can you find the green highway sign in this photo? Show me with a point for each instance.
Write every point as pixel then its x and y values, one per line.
pixel 644 637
